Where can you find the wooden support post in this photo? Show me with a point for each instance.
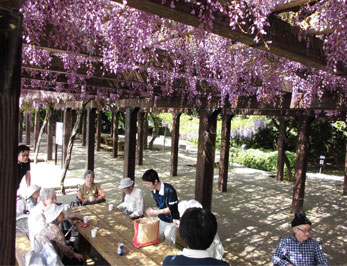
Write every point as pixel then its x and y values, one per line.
pixel 115 126
pixel 20 127
pixel 111 127
pixel 98 130
pixel 28 127
pixel 174 143
pixel 67 131
pixel 206 154
pixel 139 146
pixel 301 164
pixel 145 132
pixel 344 192
pixel 36 127
pixel 51 128
pixel 84 131
pixel 9 108
pixel 130 142
pixel 224 153
pixel 90 138
pixel 281 148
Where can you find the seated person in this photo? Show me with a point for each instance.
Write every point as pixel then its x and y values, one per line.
pixel 33 194
pixel 133 200
pixel 198 228
pixel 36 218
pixel 299 248
pixel 90 192
pixel 54 216
pixel 216 249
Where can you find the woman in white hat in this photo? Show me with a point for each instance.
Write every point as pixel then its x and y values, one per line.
pixel 54 216
pixel 32 196
pixel 133 201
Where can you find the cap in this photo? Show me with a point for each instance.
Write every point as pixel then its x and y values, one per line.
pixel 126 182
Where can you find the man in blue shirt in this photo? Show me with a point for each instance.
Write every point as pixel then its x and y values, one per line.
pixel 299 249
pixel 165 197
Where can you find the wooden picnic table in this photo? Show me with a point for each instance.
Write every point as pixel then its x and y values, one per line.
pixel 108 140
pixel 114 227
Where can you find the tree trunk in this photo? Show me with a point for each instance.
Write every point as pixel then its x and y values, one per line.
pixel 70 147
pixel 37 148
pixel 156 131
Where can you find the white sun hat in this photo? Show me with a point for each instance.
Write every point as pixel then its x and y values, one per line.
pixel 31 190
pixel 186 204
pixel 126 182
pixel 52 212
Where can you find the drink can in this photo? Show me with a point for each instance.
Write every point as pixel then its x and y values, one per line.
pixel 120 249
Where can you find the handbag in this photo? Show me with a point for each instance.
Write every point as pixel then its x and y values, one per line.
pixel 146 231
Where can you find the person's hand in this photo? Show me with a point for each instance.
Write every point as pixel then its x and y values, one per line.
pixel 151 212
pixel 79 256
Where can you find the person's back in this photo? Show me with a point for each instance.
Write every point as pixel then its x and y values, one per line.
pixel 198 228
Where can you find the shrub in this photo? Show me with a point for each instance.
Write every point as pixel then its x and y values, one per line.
pixel 261 159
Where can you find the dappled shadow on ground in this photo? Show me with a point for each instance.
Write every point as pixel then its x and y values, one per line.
pixel 252 215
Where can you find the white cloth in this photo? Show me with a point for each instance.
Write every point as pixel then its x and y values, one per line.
pixel 36 222
pixel 195 253
pixel 167 231
pixel 133 202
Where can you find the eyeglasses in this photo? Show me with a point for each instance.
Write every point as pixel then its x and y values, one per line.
pixel 304 231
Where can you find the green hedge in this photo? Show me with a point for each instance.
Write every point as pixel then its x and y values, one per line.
pixel 261 159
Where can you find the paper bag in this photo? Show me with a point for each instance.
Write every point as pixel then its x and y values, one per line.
pixel 146 231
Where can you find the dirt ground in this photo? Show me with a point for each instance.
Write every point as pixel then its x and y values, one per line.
pixel 252 215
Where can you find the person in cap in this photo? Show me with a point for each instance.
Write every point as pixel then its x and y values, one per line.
pixel 33 194
pixel 90 192
pixel 133 201
pixel 166 199
pixel 36 219
pixel 198 228
pixel 54 216
pixel 299 249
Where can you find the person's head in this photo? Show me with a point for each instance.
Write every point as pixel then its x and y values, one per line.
pixel 48 196
pixel 198 228
pixel 301 226
pixel 23 153
pixel 89 177
pixel 33 191
pixel 126 185
pixel 151 179
pixel 54 213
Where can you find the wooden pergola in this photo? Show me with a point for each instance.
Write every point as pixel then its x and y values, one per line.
pixel 284 43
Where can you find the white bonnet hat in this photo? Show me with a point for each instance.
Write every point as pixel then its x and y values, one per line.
pixel 52 212
pixel 31 190
pixel 126 182
pixel 186 204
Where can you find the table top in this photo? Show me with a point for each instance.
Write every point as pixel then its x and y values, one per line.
pixel 115 227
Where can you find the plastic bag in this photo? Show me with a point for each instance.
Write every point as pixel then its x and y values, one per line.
pixel 43 254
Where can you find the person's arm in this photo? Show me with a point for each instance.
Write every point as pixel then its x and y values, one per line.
pixel 319 256
pixel 279 256
pixel 80 196
pixel 152 212
pixel 28 178
pixel 100 193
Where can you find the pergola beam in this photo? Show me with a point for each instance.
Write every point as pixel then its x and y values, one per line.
pixel 284 37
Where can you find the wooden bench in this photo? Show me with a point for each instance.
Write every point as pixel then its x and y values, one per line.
pixel 22 247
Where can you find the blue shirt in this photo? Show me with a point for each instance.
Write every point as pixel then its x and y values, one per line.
pixel 166 197
pixel 291 251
